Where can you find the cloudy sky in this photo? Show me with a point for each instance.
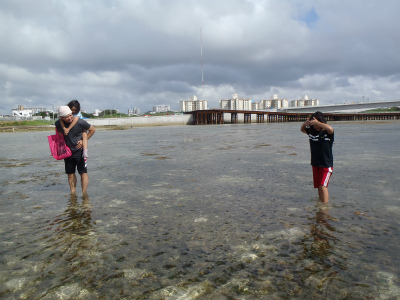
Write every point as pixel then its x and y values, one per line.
pixel 125 53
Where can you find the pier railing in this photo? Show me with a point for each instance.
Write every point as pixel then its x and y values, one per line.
pixel 216 116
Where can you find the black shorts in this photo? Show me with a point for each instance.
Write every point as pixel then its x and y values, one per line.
pixel 75 161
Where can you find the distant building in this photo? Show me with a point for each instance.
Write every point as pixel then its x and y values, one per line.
pixel 255 105
pixel 265 104
pixel 192 104
pixel 235 103
pixel 133 111
pixel 161 108
pixel 304 101
pixel 97 112
pixel 274 103
pixel 297 103
pixel 21 111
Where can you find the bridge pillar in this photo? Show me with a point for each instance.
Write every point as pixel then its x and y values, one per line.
pixel 234 118
pixel 247 118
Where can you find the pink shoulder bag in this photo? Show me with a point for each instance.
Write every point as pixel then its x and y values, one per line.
pixel 58 147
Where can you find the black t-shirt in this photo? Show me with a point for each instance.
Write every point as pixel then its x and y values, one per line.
pixel 75 134
pixel 321 147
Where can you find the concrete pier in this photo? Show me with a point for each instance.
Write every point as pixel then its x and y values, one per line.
pixel 143 121
pixel 214 116
pixel 204 117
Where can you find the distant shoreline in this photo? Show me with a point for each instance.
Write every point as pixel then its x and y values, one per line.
pixel 24 128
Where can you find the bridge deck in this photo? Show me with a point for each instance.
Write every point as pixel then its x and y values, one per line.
pixel 216 116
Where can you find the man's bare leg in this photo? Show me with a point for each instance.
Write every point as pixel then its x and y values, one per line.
pixel 72 183
pixel 86 201
pixel 323 194
pixel 84 183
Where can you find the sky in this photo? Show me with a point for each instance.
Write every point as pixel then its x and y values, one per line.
pixel 140 53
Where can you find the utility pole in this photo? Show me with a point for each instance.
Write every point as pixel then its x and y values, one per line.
pixel 201 54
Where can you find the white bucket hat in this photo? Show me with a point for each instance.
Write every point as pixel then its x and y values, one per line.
pixel 64 111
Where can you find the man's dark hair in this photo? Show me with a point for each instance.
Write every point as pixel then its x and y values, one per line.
pixel 76 104
pixel 318 116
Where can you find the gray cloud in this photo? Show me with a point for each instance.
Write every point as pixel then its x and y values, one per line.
pixel 116 53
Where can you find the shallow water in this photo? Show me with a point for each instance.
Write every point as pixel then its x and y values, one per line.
pixel 202 212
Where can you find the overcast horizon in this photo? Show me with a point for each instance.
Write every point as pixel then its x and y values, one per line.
pixel 120 54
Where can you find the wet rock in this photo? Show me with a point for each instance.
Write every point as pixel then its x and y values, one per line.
pixel 200 220
pixel 249 257
pixel 16 284
pixel 218 297
pixel 71 291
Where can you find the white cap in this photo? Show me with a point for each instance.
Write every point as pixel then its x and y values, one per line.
pixel 64 111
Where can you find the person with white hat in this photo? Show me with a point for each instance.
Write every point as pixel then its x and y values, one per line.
pixel 74 141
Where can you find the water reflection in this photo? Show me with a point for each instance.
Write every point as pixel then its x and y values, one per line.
pixel 321 258
pixel 225 225
pixel 77 218
pixel 71 260
pixel 322 232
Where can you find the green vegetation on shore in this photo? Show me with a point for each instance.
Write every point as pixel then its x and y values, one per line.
pixel 25 126
pixel 383 110
pixel 25 123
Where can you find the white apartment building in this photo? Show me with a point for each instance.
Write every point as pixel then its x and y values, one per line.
pixel 304 101
pixel 161 108
pixel 311 102
pixel 274 103
pixel 284 103
pixel 235 103
pixel 133 111
pixel 192 104
pixel 265 104
pixel 297 103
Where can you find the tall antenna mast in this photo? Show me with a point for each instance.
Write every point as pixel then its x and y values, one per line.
pixel 201 53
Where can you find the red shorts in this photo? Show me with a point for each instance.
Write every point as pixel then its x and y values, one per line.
pixel 321 176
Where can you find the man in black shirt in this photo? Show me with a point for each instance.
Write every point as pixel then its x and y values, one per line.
pixel 74 141
pixel 321 136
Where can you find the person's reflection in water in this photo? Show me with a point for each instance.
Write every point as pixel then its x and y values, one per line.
pixel 79 216
pixel 321 258
pixel 72 251
pixel 322 233
pixel 319 245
